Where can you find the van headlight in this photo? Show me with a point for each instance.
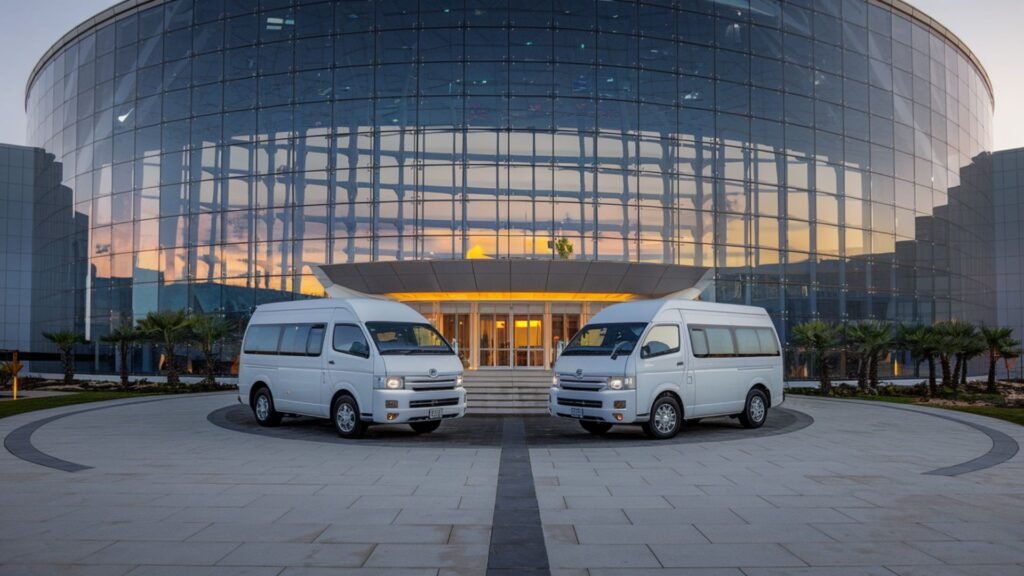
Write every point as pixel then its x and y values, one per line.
pixel 620 383
pixel 394 383
pixel 554 381
pixel 458 381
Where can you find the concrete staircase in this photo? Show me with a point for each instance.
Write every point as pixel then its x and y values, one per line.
pixel 507 391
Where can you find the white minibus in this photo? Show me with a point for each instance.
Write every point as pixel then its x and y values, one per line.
pixel 357 361
pixel 659 362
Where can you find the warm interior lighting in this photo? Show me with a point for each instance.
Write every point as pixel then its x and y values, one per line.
pixel 477 253
pixel 527 323
pixel 514 296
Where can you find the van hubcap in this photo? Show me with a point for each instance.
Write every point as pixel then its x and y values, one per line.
pixel 262 407
pixel 665 418
pixel 346 418
pixel 757 409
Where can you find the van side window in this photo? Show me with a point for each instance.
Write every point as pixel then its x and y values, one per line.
pixel 769 345
pixel 262 339
pixel 733 341
pixel 661 340
pixel 699 342
pixel 293 339
pixel 316 340
pixel 720 341
pixel 349 339
pixel 747 343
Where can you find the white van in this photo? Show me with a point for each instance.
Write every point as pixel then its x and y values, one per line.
pixel 357 361
pixel 659 362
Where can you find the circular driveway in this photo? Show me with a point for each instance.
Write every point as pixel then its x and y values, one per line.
pixel 834 487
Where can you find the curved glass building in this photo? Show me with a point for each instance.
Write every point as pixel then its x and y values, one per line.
pixel 822 159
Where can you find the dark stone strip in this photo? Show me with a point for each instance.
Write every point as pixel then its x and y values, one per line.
pixel 19 441
pixel 1004 447
pixel 517 537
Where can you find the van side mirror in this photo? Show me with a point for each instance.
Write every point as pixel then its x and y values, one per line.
pixel 360 349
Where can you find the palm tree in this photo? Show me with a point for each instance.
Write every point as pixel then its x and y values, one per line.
pixel 962 334
pixel 207 331
pixel 123 337
pixel 919 341
pixel 996 340
pixel 170 328
pixel 65 340
pixel 870 339
pixel 820 338
pixel 1010 352
pixel 945 348
pixel 973 347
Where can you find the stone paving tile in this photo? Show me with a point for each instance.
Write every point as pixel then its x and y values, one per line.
pixel 622 502
pixel 151 570
pixel 68 570
pixel 332 514
pixel 208 515
pixel 444 516
pixel 667 572
pixel 684 516
pixel 642 534
pixel 791 515
pixel 262 532
pixel 287 554
pixel 361 533
pixel 974 552
pixel 861 554
pixel 419 555
pixel 180 553
pixel 818 571
pixel 780 533
pixel 856 532
pixel 601 556
pixel 140 530
pixel 724 555
pixel 32 551
pixel 552 516
pixel 976 570
pixel 311 571
pixel 989 531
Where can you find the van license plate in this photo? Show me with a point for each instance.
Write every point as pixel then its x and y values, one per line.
pixel 435 413
pixel 576 412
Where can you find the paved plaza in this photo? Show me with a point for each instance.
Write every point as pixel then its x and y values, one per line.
pixel 184 485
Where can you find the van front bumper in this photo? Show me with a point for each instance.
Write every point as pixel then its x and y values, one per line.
pixel 594 406
pixel 404 406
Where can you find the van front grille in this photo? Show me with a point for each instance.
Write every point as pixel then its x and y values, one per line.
pixel 577 402
pixel 433 403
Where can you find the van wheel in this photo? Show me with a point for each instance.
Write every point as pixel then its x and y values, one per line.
pixel 263 409
pixel 596 428
pixel 756 410
pixel 425 427
pixel 666 417
pixel 345 414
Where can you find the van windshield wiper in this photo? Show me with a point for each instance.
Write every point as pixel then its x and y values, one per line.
pixel 397 351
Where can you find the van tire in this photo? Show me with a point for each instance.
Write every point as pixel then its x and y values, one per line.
pixel 596 428
pixel 666 418
pixel 263 405
pixel 425 427
pixel 755 411
pixel 345 415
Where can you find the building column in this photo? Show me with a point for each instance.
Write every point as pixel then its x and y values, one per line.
pixel 474 336
pixel 546 325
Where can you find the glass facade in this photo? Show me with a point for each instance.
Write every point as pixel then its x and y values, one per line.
pixel 822 157
pixel 1008 200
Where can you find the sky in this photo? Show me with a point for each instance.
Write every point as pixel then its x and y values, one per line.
pixel 991 28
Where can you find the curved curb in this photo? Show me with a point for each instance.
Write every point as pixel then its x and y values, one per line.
pixel 486 432
pixel 19 441
pixel 1004 447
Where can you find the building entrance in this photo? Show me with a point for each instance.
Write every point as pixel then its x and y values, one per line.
pixel 504 335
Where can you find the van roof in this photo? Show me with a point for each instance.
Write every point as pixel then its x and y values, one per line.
pixel 366 309
pixel 647 310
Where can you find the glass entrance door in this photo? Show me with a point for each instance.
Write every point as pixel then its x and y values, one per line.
pixel 528 340
pixel 495 346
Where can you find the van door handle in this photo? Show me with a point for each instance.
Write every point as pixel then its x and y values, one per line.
pixel 330 362
pixel 680 363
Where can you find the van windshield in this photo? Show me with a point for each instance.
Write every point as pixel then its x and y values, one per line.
pixel 407 338
pixel 603 339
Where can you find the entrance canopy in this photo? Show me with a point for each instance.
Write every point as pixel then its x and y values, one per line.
pixel 546 280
